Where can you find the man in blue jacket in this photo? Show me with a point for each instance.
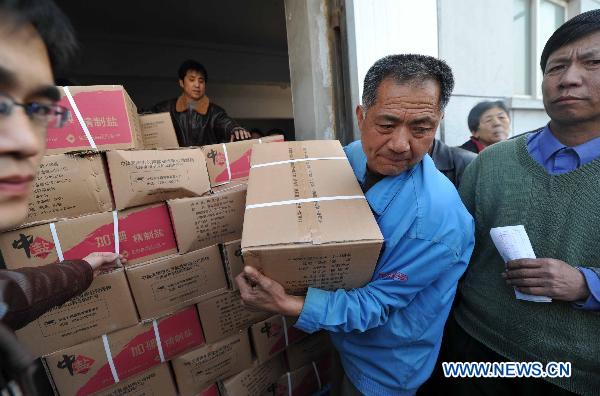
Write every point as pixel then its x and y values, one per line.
pixel 388 333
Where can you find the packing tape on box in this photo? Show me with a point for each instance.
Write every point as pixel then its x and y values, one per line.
pixel 116 231
pixel 305 200
pixel 158 342
pixel 292 161
pixel 289 379
pixel 285 332
pixel 227 161
pixel 56 241
pixel 109 358
pixel 88 135
pixel 317 374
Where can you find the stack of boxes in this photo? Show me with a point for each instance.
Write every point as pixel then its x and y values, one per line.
pixel 171 319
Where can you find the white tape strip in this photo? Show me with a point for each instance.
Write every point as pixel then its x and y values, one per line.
pixel 298 160
pixel 116 230
pixel 259 140
pixel 317 374
pixel 88 135
pixel 227 161
pixel 158 342
pixel 305 200
pixel 289 378
pixel 109 357
pixel 285 333
pixel 57 246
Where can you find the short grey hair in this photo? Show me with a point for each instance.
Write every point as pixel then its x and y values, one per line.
pixel 406 68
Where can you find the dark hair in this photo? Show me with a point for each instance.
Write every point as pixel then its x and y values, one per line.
pixel 572 30
pixel 406 68
pixel 191 64
pixel 480 108
pixel 50 22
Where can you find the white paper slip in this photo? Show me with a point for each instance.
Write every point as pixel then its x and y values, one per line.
pixel 513 243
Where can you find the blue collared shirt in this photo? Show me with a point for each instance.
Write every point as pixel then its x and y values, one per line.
pixel 388 332
pixel 556 158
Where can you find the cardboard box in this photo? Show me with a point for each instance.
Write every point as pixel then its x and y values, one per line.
pixel 176 281
pixel 155 382
pixel 144 233
pixel 330 243
pixel 305 381
pixel 109 114
pixel 224 315
pixel 271 336
pixel 212 390
pixel 104 307
pixel 146 176
pixel 311 348
pixel 87 368
pixel 255 380
pixel 158 131
pixel 205 221
pixel 233 261
pixel 231 161
pixel 195 370
pixel 53 195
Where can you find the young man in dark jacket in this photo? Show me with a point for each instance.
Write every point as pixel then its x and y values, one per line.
pixel 33 35
pixel 197 120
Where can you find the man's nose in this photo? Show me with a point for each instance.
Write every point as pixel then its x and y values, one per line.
pixel 399 141
pixel 20 136
pixel 571 77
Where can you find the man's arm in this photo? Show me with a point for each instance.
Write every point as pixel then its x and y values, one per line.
pixel 413 266
pixel 227 129
pixel 27 293
pixel 592 279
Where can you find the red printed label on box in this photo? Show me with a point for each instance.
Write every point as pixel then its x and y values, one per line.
pixel 104 114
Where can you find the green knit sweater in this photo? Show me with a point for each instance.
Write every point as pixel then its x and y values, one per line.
pixel 505 186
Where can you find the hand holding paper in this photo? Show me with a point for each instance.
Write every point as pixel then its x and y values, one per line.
pixel 513 243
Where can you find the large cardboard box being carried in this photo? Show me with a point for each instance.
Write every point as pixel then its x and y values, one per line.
pixel 104 307
pixel 103 362
pixel 231 161
pixel 271 336
pixel 176 281
pixel 156 381
pixel 205 221
pixel 146 176
pixel 54 193
pixel 224 315
pixel 144 233
pixel 158 131
pixel 255 380
pixel 233 261
pixel 307 222
pixel 195 370
pixel 109 115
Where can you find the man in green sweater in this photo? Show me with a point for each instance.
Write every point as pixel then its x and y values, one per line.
pixel 549 182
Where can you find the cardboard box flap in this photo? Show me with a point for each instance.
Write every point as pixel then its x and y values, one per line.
pixel 296 150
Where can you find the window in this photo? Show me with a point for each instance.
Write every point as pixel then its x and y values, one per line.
pixel 534 21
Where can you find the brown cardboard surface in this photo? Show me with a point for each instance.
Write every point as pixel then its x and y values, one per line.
pixel 145 233
pixel 235 156
pixel 309 349
pixel 53 195
pixel 104 307
pixel 158 131
pixel 232 260
pixel 155 382
pixel 327 244
pixel 146 176
pixel 110 115
pixel 205 221
pixel 195 370
pixel 305 381
pixel 255 380
pixel 176 281
pixel 85 368
pixel 271 336
pixel 224 314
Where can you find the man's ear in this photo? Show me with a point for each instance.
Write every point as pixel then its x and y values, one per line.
pixel 181 83
pixel 360 116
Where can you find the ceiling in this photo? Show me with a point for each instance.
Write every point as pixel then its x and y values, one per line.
pixel 251 23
